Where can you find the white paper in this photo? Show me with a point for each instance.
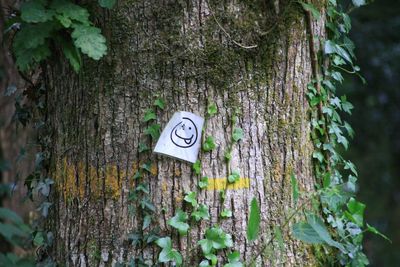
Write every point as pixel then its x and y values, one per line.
pixel 181 138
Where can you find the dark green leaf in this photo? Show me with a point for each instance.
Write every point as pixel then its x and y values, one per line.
pixel 153 130
pixel 201 213
pixel 197 167
pixel 72 54
pixel 212 109
pixel 164 242
pixel 254 220
pixel 34 11
pixel 159 103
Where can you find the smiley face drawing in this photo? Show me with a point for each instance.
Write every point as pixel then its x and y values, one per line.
pixel 184 134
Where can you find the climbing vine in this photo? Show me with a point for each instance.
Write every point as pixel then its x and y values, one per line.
pixel 41 24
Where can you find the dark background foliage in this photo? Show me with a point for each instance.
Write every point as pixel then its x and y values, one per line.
pixel 376 120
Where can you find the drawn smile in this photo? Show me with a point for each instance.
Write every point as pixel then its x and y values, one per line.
pixel 186 140
pixel 184 128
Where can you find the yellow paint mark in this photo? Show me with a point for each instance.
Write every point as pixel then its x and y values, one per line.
pixel 164 187
pixel 153 169
pixel 177 172
pixel 220 184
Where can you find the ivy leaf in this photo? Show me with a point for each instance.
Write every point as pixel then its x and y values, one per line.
pixel 209 144
pixel 359 3
pixel 164 242
pixel 179 222
pixel 159 103
pixel 212 109
pixel 228 156
pixel 237 134
pixel 143 147
pixel 7 214
pixel 309 7
pixel 197 167
pixel 234 177
pixel 153 130
pixel 90 41
pixel 149 115
pixel 234 260
pixel 201 213
pixel 191 198
pixel 203 183
pixel 215 239
pixel 213 258
pixel 145 203
pixel 355 212
pixel 254 220
pixel 226 213
pixel 167 255
pixel 146 222
pixel 107 3
pixel 34 11
pixel 295 188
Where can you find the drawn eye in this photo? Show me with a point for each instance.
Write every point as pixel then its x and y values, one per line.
pixel 190 128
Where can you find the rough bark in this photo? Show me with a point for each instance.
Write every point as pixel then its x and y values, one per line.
pixel 189 53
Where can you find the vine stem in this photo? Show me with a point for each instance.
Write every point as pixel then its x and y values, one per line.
pixel 265 245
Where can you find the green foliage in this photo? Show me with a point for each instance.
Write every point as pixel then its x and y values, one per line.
pixel 314 11
pixel 234 260
pixel 153 130
pixel 149 115
pixel 201 213
pixel 191 198
pixel 234 177
pixel 160 103
pixel 107 3
pixel 212 109
pixel 226 213
pixel 62 23
pixel 215 239
pixel 209 144
pixel 168 254
pixel 203 183
pixel 197 167
pixel 179 222
pixel 253 226
pixel 237 134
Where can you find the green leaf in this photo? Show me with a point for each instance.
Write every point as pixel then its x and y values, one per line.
pixel 107 3
pixel 226 213
pixel 39 239
pixel 34 11
pixel 304 232
pixel 179 222
pixel 201 213
pixel 237 134
pixel 168 254
pixel 375 231
pixel 228 156
pixel 310 8
pixel 215 239
pixel 213 258
pixel 359 3
pixel 143 147
pixel 147 204
pixel 234 177
pixel 160 103
pixel 153 130
pixel 146 222
pixel 164 242
pixel 90 41
pixel 355 212
pixel 197 167
pixel 191 198
pixel 295 188
pixel 72 54
pixel 209 144
pixel 254 220
pixel 203 183
pixel 234 260
pixel 204 263
pixel 149 115
pixel 212 109
pixel 68 12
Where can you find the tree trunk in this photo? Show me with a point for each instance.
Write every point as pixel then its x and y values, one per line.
pixel 251 59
